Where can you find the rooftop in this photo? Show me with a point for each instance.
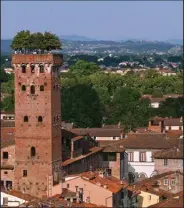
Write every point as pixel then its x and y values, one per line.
pixel 98 132
pixel 174 153
pixel 108 182
pixel 92 150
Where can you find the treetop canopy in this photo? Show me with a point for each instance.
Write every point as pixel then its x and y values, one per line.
pixel 27 41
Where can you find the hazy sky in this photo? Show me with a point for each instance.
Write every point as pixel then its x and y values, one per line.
pixel 103 20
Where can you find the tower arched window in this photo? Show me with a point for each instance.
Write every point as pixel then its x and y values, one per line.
pixel 26 118
pixel 32 68
pixel 41 67
pixel 33 151
pixel 41 88
pixel 23 88
pixel 23 68
pixel 40 119
pixel 32 89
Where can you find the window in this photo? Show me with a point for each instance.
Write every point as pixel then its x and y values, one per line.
pixel 41 68
pixel 40 119
pixel 112 156
pixel 33 151
pixel 173 182
pixel 67 185
pixel 41 88
pixel 165 161
pixel 130 156
pixel 32 89
pixel 32 68
pixel 23 88
pixel 24 173
pixel 5 172
pixel 23 67
pixel 165 182
pixel 180 127
pixel 26 119
pixel 5 155
pixel 149 197
pixel 142 156
pixel 9 184
pixel 169 127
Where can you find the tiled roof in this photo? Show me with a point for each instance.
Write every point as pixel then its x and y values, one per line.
pixel 147 185
pixel 144 141
pixel 77 138
pixel 67 193
pixel 176 201
pixel 7 142
pixel 98 132
pixel 157 118
pixel 173 122
pixel 20 195
pixel 92 150
pixel 110 183
pixel 174 153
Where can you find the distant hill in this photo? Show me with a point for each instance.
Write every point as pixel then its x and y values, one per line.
pixel 176 41
pixel 75 38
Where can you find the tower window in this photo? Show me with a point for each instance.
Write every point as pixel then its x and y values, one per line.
pixel 26 119
pixel 23 67
pixel 24 173
pixel 41 88
pixel 41 68
pixel 23 88
pixel 32 68
pixel 5 155
pixel 40 119
pixel 32 89
pixel 33 151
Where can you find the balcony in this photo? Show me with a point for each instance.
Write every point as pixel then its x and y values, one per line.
pixel 37 58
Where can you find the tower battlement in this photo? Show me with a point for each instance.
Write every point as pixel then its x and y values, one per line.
pixel 56 59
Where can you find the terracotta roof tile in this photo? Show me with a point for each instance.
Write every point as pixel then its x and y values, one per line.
pixel 174 153
pixel 77 138
pixel 111 183
pixel 92 150
pixel 173 122
pixel 7 123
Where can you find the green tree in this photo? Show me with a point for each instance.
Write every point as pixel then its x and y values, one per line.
pixel 8 103
pixel 127 108
pixel 84 68
pixel 81 105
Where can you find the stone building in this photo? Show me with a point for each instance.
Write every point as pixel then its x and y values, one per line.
pixel 38 153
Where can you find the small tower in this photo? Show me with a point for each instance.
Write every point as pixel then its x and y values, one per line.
pixel 38 146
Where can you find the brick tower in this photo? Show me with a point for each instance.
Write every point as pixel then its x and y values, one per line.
pixel 37 123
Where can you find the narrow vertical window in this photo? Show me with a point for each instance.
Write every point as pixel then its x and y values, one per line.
pixel 26 119
pixel 23 68
pixel 41 67
pixel 32 89
pixel 32 68
pixel 40 119
pixel 41 88
pixel 24 173
pixel 33 151
pixel 23 88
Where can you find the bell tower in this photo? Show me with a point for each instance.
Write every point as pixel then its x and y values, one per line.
pixel 38 145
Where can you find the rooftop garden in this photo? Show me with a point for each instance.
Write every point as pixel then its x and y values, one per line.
pixel 27 42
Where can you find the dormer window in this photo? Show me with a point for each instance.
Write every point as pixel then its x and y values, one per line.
pixel 32 68
pixel 41 67
pixel 32 89
pixel 23 68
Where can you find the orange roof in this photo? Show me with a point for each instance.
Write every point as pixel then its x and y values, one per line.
pixel 92 150
pixel 108 182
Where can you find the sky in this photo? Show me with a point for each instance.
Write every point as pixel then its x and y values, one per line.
pixel 106 20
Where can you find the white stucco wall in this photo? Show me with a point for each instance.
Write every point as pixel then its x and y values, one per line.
pixel 138 167
pixel 174 127
pixel 155 105
pixel 108 138
pixel 13 201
